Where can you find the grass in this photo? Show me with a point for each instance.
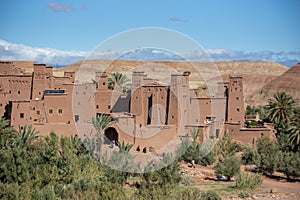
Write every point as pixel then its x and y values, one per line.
pixel 223 188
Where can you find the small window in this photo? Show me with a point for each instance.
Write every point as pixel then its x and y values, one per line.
pixel 38 112
pixel 108 106
pixel 76 118
pixel 97 106
pixel 21 115
pixel 103 83
pixel 172 116
pixel 18 92
pixel 0 104
pixel 217 133
pixel 50 111
pixel 238 109
pixel 59 111
pixel 237 98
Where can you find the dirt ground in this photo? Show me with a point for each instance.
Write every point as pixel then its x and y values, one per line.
pixel 204 178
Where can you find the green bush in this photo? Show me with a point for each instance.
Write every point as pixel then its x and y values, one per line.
pixel 188 193
pixel 210 195
pixel 248 181
pixel 249 156
pixel 229 167
pixel 267 159
pixel 202 154
pixel 289 163
pixel 253 123
pixel 227 146
pixel 154 192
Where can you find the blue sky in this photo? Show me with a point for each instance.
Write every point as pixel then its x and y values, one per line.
pixel 239 25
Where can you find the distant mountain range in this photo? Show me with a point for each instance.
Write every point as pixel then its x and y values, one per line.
pixel 59 58
pixel 288 82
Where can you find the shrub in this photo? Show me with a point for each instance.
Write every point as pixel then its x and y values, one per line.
pixel 229 167
pixel 248 181
pixel 195 194
pixel 188 193
pixel 249 156
pixel 210 195
pixel 289 163
pixel 253 123
pixel 152 192
pixel 267 159
pixel 227 146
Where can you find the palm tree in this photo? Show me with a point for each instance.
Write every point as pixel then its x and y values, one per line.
pixel 117 79
pixel 195 134
pixel 4 126
pixel 102 122
pixel 124 147
pixel 294 133
pixel 8 135
pixel 27 135
pixel 281 109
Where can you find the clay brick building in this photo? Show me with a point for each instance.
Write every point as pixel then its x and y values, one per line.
pixel 147 114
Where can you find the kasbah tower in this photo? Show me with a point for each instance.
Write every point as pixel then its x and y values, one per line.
pixel 148 113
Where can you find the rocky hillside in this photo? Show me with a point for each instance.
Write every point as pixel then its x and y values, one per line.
pixel 255 74
pixel 288 82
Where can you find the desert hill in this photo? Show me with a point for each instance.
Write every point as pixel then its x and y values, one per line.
pixel 229 68
pixel 255 74
pixel 288 82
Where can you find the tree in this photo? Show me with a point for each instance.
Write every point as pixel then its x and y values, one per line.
pixel 280 110
pixel 93 145
pixel 117 79
pixel 226 146
pixel 229 167
pixel 102 122
pixel 289 163
pixel 294 134
pixel 249 155
pixel 125 147
pixel 8 135
pixel 267 158
pixel 164 175
pixel 27 135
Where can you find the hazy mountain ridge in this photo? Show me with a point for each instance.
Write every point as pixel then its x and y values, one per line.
pixel 255 74
pixel 287 82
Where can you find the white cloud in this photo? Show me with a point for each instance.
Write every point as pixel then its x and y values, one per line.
pixel 60 7
pixel 11 51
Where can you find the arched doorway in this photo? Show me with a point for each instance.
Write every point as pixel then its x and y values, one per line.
pixel 111 134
